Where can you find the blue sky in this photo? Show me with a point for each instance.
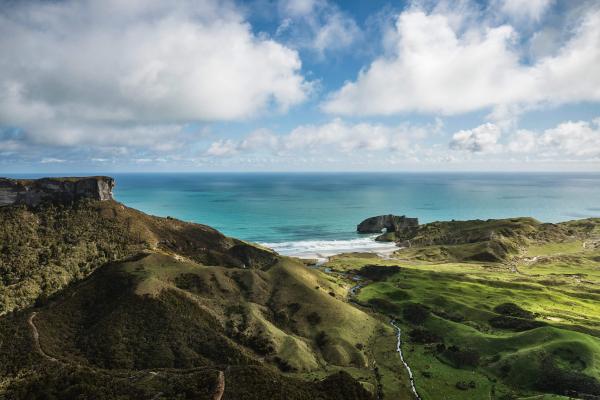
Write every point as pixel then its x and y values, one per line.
pixel 299 85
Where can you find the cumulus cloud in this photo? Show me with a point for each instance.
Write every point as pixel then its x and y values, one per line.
pixel 298 8
pixel 524 9
pixel 580 139
pixel 222 148
pixel 438 66
pixel 522 141
pixel 482 139
pixel 127 67
pixel 318 25
pixel 261 139
pixel 567 140
pixel 336 136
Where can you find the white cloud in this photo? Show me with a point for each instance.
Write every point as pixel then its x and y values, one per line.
pixel 222 148
pixel 50 160
pixel 71 65
pixel 522 141
pixel 524 9
pixel 340 136
pixel 482 139
pixel 298 8
pixel 318 25
pixel 336 136
pixel 580 139
pixel 437 67
pixel 577 140
pixel 259 140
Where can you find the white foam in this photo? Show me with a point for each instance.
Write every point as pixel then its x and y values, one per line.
pixel 321 249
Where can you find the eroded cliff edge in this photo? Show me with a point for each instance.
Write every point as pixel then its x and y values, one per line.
pixel 32 192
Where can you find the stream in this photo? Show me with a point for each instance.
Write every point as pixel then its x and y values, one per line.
pixel 351 294
pixel 399 350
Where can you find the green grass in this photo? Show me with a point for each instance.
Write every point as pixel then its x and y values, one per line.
pixel 547 249
pixel 560 288
pixel 159 311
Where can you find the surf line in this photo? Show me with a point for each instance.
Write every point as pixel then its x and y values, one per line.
pixel 399 350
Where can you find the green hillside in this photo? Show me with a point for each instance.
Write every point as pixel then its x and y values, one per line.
pixel 126 304
pixel 44 249
pixel 512 328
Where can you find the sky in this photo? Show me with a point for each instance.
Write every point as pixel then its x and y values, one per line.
pixel 299 85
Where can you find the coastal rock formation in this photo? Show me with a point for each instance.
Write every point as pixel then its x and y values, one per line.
pixel 391 223
pixel 32 192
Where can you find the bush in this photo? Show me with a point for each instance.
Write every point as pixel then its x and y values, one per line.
pixel 514 324
pixel 415 313
pixel 313 318
pixel 283 365
pixel 513 310
pixel 461 358
pixel 553 379
pixel 384 306
pixel 321 339
pixel 423 336
pixel 378 272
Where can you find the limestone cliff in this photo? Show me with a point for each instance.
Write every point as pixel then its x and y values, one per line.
pixel 32 192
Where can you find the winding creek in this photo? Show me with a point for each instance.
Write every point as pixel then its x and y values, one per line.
pixel 351 294
pixel 399 350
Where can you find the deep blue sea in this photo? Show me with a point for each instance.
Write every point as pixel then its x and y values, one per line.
pixel 305 213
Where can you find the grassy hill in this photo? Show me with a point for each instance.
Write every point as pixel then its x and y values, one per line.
pixel 133 322
pixel 103 301
pixel 526 326
pixel 44 249
pixel 161 313
pixel 486 241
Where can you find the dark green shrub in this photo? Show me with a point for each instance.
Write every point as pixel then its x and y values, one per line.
pixel 513 310
pixel 415 313
pixel 313 318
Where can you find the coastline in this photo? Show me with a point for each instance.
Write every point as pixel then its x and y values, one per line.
pixel 321 250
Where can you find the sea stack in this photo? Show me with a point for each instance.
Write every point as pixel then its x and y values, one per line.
pixel 391 223
pixel 32 192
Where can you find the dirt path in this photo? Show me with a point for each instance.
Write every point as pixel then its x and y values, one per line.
pixel 220 389
pixel 217 395
pixel 36 339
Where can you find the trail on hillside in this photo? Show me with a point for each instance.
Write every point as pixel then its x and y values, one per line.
pixel 217 394
pixel 36 339
pixel 220 389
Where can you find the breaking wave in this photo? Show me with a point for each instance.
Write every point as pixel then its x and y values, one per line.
pixel 320 249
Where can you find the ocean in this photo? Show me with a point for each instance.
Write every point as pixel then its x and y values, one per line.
pixel 307 214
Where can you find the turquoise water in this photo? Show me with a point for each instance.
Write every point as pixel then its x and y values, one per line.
pixel 320 210
pixel 286 207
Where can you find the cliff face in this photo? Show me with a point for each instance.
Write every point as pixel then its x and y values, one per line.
pixel 32 192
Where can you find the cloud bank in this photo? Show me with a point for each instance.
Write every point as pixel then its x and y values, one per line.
pixel 115 72
pixel 570 139
pixel 439 66
pixel 336 136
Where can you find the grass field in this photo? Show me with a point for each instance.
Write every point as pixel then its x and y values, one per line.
pixel 465 348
